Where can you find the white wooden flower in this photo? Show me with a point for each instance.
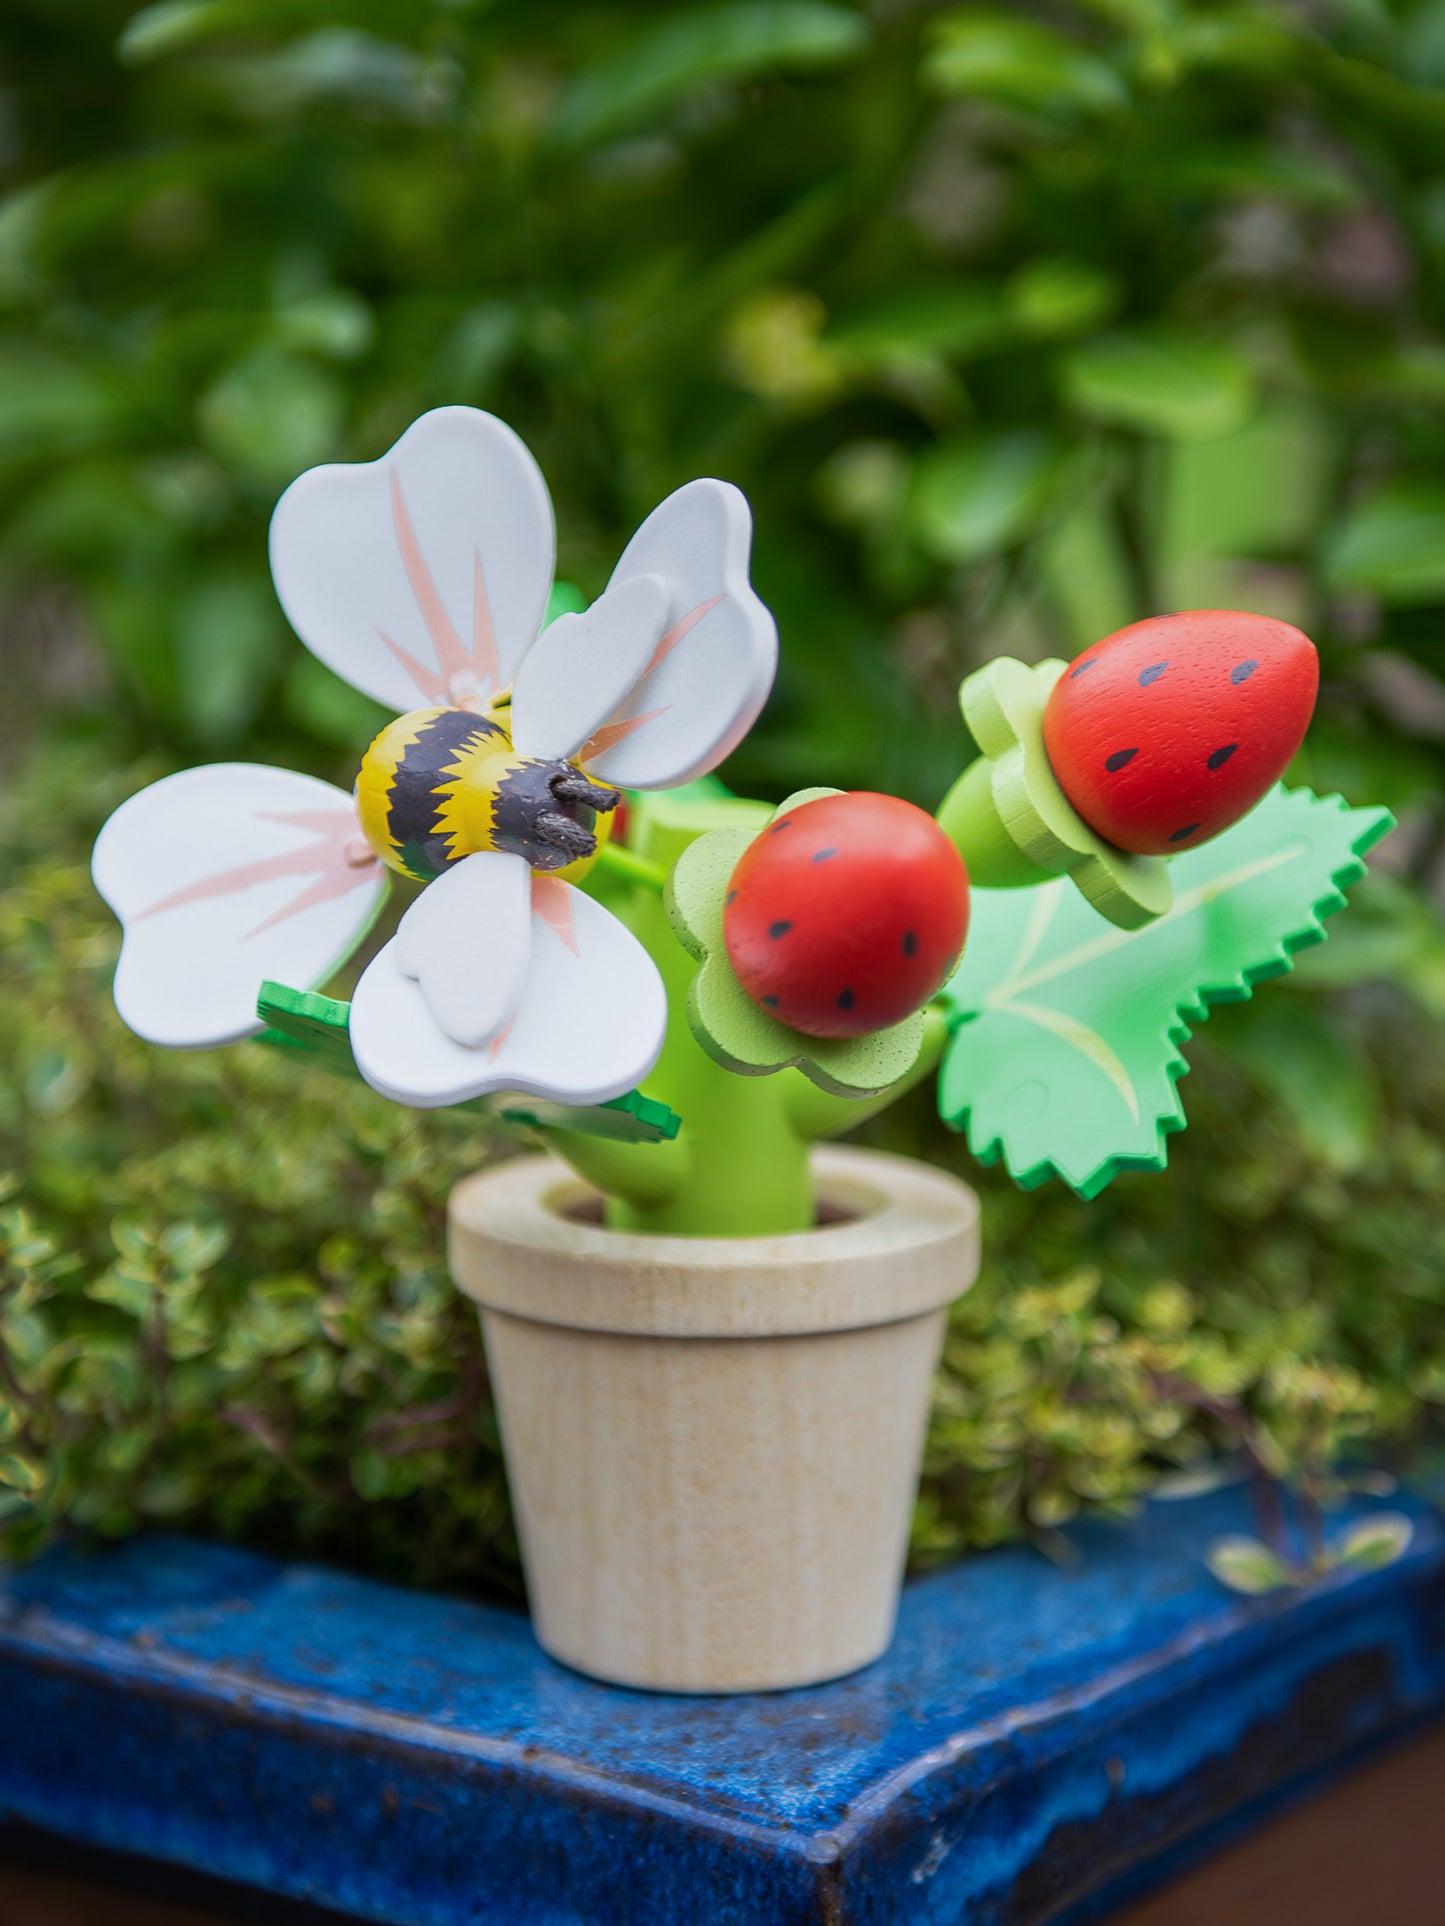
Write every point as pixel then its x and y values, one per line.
pixel 422 578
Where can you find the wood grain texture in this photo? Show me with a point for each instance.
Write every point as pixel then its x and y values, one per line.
pixel 713 1444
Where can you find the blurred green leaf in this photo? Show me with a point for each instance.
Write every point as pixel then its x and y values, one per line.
pixel 959 317
pixel 345 67
pixel 1393 545
pixel 1372 1543
pixel 54 407
pixel 1019 63
pixel 1248 1566
pixel 970 498
pixel 157 31
pixel 229 644
pixel 328 709
pixel 1314 1067
pixel 702 46
pixel 1055 295
pixel 1160 382
pixel 272 415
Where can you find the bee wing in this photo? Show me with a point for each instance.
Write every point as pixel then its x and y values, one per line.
pixel 464 941
pixel 589 1025
pixel 421 577
pixel 223 877
pixel 581 666
pixel 708 676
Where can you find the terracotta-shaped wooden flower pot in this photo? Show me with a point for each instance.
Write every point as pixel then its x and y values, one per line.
pixel 713 1443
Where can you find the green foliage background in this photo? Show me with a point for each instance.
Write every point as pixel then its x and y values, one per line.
pixel 1016 323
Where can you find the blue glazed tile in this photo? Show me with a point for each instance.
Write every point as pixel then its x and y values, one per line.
pixel 1034 1738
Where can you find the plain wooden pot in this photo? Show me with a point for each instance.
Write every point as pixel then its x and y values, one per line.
pixel 713 1443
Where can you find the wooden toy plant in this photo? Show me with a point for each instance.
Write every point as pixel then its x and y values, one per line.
pixel 712 1386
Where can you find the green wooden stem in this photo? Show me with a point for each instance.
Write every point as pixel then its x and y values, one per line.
pixel 739 1165
pixel 969 818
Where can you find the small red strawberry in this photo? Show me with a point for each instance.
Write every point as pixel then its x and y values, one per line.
pixel 1166 732
pixel 846 914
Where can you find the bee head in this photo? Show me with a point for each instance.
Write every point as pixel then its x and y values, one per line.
pixel 547 811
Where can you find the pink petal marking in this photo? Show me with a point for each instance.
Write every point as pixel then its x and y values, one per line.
pixel 611 733
pixel 429 684
pixel 552 901
pixel 461 674
pixel 484 641
pixel 679 629
pixel 329 860
pixel 494 1050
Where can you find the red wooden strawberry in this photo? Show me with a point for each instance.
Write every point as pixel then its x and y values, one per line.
pixel 1166 732
pixel 846 914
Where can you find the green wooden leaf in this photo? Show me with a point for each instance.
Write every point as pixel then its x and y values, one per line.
pixel 1160 382
pixel 1065 1057
pixel 303 1023
pixel 316 1029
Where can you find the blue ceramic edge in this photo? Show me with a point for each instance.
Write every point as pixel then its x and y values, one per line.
pixel 1035 1740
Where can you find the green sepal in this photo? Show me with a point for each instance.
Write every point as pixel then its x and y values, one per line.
pixel 1065 1055
pixel 1023 808
pixel 317 1029
pixel 305 1024
pixel 728 1025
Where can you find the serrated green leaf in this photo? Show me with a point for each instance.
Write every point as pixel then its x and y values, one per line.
pixel 1066 1057
pixel 1181 387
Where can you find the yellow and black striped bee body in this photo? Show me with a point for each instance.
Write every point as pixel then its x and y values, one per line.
pixel 442 784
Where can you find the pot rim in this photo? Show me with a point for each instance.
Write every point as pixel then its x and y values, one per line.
pixel 910 1249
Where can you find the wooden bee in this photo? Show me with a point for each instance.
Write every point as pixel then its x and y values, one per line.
pixel 439 785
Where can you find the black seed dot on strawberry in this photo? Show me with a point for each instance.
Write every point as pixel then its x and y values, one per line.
pixel 1074 674
pixel 1181 835
pixel 732 897
pixel 770 1003
pixel 822 855
pixel 1221 756
pixel 1120 758
pixel 1242 671
pixel 778 828
pixel 846 999
pixel 779 928
pixel 910 943
pixel 1151 674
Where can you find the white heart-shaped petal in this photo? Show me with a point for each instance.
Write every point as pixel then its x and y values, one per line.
pixel 222 878
pixel 581 666
pixel 422 577
pixel 710 674
pixel 589 1026
pixel 465 941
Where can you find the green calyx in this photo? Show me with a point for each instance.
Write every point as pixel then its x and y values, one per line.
pixel 726 1022
pixel 1013 824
